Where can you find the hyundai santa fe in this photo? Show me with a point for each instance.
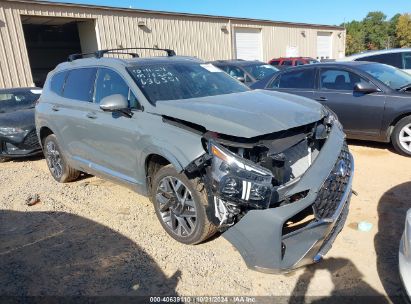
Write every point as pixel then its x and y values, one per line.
pixel 269 170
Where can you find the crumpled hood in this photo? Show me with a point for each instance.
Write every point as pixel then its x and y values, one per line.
pixel 247 114
pixel 23 119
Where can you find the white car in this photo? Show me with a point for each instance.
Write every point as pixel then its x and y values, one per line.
pixel 399 58
pixel 405 256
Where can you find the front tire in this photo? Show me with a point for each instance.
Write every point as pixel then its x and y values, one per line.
pixel 401 136
pixel 181 206
pixel 58 166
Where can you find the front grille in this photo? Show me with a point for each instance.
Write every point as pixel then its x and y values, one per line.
pixel 30 141
pixel 330 195
pixel 339 224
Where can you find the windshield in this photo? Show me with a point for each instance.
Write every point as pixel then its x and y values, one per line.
pixel 260 71
pixel 11 101
pixel 172 81
pixel 390 76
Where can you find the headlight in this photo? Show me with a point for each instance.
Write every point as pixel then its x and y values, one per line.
pixel 239 180
pixel 331 118
pixel 7 131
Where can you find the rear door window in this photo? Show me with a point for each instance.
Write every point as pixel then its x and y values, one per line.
pixel 80 84
pixel 57 82
pixel 299 79
pixel 394 59
pixel 287 62
pixel 235 71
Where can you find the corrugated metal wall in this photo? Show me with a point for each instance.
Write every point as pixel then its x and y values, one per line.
pixel 188 35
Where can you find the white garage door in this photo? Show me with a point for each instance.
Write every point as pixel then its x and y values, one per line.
pixel 324 45
pixel 248 44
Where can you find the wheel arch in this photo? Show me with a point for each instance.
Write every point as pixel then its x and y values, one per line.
pixel 398 118
pixel 393 123
pixel 43 133
pixel 156 160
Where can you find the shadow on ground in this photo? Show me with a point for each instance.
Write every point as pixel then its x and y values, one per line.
pixel 56 253
pixel 349 286
pixel 392 209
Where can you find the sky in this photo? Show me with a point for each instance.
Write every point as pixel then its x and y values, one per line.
pixel 314 11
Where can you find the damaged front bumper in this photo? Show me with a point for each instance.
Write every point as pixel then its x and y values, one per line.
pixel 20 145
pixel 261 237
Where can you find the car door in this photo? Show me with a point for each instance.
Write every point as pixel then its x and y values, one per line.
pixel 71 109
pixel 296 81
pixel 360 114
pixel 113 137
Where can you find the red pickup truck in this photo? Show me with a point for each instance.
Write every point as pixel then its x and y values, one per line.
pixel 291 61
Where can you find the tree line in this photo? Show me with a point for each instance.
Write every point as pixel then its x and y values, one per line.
pixel 375 32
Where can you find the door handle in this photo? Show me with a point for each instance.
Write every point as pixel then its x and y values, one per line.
pixel 322 98
pixel 55 108
pixel 91 115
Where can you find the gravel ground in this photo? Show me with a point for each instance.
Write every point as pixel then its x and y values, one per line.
pixel 93 237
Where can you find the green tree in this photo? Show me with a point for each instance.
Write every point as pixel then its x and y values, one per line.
pixel 392 31
pixel 355 38
pixel 404 30
pixel 376 31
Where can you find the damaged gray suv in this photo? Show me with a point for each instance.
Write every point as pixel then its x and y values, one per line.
pixel 269 170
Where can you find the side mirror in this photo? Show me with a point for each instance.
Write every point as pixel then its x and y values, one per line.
pixel 242 79
pixel 113 103
pixel 365 87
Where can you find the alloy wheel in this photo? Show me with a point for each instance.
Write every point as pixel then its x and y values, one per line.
pixel 177 207
pixel 405 137
pixel 54 160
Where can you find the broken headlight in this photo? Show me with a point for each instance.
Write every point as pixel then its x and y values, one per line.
pixel 330 118
pixel 239 180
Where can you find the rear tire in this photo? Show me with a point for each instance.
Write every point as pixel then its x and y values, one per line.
pixel 58 166
pixel 401 136
pixel 181 206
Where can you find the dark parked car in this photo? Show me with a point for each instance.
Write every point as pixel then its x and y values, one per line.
pixel 17 129
pixel 248 72
pixel 372 100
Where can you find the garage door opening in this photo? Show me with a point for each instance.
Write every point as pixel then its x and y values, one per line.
pixel 324 45
pixel 248 44
pixel 50 41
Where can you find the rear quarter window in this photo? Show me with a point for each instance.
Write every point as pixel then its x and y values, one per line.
pixel 80 84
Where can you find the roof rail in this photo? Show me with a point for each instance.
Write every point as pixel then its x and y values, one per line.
pixel 100 53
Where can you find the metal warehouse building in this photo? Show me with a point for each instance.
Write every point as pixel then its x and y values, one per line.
pixel 37 35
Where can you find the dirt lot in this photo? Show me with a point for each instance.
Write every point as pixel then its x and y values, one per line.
pixel 92 237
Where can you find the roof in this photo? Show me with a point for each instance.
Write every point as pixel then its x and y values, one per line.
pixel 109 61
pixel 370 53
pixel 118 9
pixel 330 64
pixel 301 57
pixel 238 62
